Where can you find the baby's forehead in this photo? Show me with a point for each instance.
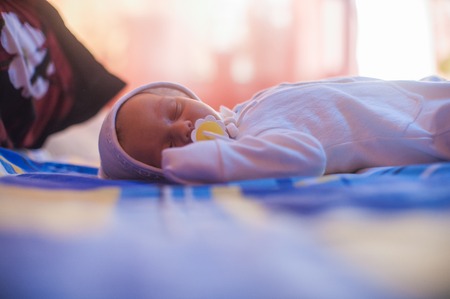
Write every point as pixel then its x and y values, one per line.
pixel 138 101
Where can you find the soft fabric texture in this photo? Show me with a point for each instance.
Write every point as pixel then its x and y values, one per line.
pixel 48 79
pixel 65 233
pixel 115 162
pixel 322 127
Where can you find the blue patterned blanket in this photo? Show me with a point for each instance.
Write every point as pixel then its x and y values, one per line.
pixel 382 233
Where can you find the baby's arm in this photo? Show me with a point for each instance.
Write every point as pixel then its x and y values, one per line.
pixel 274 153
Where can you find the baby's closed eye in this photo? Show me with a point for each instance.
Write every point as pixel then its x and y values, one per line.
pixel 175 110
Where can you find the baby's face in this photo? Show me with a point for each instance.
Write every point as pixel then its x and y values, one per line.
pixel 147 124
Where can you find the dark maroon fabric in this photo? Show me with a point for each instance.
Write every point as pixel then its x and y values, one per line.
pixel 64 84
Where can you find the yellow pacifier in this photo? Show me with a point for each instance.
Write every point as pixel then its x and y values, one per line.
pixel 208 128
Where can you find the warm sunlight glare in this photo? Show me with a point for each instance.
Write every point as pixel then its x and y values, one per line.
pixel 394 39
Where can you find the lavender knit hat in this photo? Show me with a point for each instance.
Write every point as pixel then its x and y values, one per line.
pixel 115 163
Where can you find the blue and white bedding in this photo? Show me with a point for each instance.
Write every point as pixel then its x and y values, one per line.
pixel 382 233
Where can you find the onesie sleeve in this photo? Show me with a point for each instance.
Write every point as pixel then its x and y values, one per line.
pixel 273 153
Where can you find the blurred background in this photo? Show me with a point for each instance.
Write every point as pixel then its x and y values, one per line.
pixel 226 50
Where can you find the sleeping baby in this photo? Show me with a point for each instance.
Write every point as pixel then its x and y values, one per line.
pixel 163 132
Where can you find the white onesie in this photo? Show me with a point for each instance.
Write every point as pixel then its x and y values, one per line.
pixel 321 127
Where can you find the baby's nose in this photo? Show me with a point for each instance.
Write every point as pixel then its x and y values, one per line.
pixel 184 129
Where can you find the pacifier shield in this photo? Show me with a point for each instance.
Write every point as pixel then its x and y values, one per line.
pixel 208 124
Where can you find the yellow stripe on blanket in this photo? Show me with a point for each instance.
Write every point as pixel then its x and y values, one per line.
pixel 316 180
pixel 3 172
pixel 245 210
pixel 61 213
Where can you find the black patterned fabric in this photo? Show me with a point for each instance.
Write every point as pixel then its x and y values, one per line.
pixel 48 79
